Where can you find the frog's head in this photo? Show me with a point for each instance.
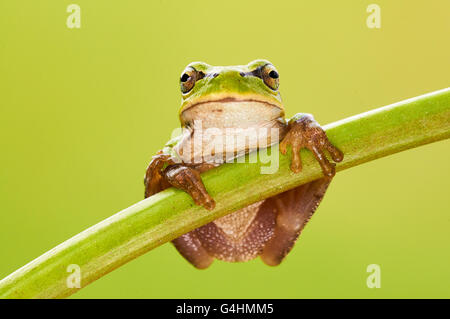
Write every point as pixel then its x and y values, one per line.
pixel 230 96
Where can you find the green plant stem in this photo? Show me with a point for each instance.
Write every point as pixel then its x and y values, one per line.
pixel 166 215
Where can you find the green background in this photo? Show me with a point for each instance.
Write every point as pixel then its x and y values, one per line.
pixel 83 111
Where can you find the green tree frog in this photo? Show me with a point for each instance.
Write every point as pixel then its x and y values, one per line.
pixel 229 98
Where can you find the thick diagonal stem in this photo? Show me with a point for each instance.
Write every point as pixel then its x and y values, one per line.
pixel 165 216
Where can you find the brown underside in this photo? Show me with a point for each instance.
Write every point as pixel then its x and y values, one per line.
pixel 239 236
pixel 268 228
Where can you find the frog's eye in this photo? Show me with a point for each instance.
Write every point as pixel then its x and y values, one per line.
pixel 188 78
pixel 270 76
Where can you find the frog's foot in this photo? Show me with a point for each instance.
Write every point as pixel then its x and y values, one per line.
pixel 305 132
pixel 189 180
pixel 191 248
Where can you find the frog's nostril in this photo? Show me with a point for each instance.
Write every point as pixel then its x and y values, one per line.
pixel 215 75
pixel 242 74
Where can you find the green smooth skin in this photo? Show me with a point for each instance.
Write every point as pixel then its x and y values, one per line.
pixel 229 83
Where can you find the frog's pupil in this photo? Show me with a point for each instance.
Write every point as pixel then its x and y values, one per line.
pixel 185 77
pixel 273 74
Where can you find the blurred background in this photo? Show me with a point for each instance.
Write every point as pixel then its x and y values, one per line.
pixel 83 110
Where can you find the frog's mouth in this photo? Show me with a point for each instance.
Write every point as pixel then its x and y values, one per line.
pixel 231 112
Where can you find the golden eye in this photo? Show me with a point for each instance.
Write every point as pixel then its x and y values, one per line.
pixel 188 78
pixel 270 76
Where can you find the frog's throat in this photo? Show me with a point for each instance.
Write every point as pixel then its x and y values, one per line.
pixel 232 112
pixel 231 99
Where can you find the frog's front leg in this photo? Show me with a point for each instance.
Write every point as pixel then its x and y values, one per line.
pixel 295 207
pixel 305 132
pixel 162 173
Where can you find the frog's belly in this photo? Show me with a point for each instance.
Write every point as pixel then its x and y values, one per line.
pixel 239 236
pixel 224 146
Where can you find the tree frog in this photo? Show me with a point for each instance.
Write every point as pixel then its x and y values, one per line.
pixel 232 97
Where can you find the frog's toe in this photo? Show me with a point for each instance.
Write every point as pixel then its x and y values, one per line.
pixel 329 169
pixel 296 161
pixel 335 153
pixel 209 203
pixel 283 146
pixel 203 199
